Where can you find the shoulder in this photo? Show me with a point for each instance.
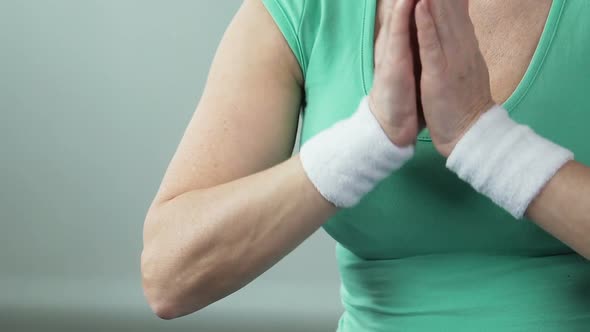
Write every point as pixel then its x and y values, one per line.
pixel 307 24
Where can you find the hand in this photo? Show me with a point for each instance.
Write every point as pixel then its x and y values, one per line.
pixel 455 84
pixel 393 98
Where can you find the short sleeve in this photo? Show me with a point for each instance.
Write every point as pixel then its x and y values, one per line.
pixel 289 15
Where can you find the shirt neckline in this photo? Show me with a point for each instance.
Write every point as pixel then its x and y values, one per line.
pixel 531 73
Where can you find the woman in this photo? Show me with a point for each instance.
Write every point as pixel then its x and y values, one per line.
pixel 481 222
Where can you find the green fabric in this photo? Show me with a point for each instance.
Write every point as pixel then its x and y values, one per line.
pixel 423 251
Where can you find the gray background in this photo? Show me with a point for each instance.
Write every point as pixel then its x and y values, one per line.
pixel 94 98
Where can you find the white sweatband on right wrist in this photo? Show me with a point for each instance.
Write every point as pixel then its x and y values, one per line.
pixel 506 161
pixel 347 160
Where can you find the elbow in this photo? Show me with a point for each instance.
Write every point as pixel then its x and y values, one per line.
pixel 155 280
pixel 164 311
pixel 157 295
pixel 167 296
pixel 173 286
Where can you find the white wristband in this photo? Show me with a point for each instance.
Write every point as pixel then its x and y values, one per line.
pixel 506 161
pixel 348 159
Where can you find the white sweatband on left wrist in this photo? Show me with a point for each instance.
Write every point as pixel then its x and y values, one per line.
pixel 506 161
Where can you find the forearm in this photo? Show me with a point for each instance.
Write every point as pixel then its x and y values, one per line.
pixel 563 207
pixel 205 244
pixel 526 174
pixel 516 168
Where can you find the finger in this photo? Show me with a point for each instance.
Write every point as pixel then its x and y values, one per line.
pixel 452 21
pixel 453 9
pixel 462 8
pixel 417 67
pixel 431 52
pixel 468 29
pixel 441 11
pixel 383 37
pixel 461 21
pixel 399 30
pixel 464 5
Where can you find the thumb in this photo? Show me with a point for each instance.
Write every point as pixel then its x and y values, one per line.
pixel 431 52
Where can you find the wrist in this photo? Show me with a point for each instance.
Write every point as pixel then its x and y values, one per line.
pixel 469 122
pixel 348 159
pixel 402 133
pixel 506 161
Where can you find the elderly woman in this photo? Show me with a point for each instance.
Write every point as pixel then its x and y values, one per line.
pixel 443 148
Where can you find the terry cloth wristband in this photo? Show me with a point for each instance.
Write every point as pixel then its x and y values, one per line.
pixel 348 159
pixel 506 161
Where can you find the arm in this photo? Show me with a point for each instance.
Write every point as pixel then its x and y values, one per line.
pixel 563 207
pixel 456 94
pixel 232 202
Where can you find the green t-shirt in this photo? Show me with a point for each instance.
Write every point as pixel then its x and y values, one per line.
pixel 423 251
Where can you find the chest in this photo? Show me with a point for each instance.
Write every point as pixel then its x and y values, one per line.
pixel 508 33
pixel 423 208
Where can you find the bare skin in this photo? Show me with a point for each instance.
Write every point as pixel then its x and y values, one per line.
pixel 456 93
pixel 499 25
pixel 234 201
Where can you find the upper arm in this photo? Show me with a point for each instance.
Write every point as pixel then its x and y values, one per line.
pixel 246 120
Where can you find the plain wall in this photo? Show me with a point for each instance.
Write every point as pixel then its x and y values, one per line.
pixel 94 98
